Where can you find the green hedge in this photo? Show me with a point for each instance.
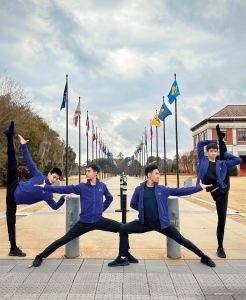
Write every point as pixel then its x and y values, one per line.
pixel 233 171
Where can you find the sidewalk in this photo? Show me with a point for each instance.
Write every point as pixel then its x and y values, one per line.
pixel 155 277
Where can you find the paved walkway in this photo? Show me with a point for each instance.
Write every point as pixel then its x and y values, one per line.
pixel 155 277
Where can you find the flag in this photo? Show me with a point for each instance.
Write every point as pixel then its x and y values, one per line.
pixel 164 112
pixel 63 105
pixel 100 145
pixel 76 115
pixel 156 121
pixel 151 133
pixel 87 125
pixel 93 133
pixel 174 92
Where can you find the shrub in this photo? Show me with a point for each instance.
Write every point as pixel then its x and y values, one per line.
pixel 233 171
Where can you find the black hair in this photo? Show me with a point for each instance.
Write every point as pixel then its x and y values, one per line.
pixel 212 146
pixel 56 170
pixel 150 168
pixel 94 167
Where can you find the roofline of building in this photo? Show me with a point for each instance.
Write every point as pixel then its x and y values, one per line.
pixel 218 120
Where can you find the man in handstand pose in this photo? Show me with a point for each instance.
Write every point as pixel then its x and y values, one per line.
pixel 20 192
pixel 150 200
pixel 92 207
pixel 216 172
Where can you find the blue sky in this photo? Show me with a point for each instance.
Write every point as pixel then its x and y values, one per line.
pixel 120 57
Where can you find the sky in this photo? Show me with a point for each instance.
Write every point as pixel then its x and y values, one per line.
pixel 121 57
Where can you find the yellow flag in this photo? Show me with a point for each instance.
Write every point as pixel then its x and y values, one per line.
pixel 156 121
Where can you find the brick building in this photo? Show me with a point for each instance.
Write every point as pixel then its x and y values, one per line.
pixel 232 121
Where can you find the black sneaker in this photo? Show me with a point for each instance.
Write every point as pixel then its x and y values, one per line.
pixel 131 258
pixel 119 262
pixel 221 252
pixel 220 133
pixel 10 129
pixel 37 261
pixel 16 252
pixel 207 261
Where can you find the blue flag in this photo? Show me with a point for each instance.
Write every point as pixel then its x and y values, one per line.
pixel 164 112
pixel 63 105
pixel 174 92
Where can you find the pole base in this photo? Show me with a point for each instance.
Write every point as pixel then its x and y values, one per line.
pixel 118 210
pixel 64 256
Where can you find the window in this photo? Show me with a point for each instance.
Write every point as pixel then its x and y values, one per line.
pixel 199 137
pixel 225 138
pixel 241 135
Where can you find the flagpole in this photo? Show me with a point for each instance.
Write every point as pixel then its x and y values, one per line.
pixel 96 145
pixel 146 145
pixel 92 146
pixel 79 146
pixel 99 153
pixel 67 131
pixel 164 147
pixel 156 131
pixel 176 132
pixel 151 140
pixel 144 149
pixel 87 140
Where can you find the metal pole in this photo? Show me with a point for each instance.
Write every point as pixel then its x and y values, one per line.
pixel 151 136
pixel 156 130
pixel 124 200
pixel 96 145
pixel 99 155
pixel 92 145
pixel 72 214
pixel 146 143
pixel 87 133
pixel 79 146
pixel 173 248
pixel 67 132
pixel 164 144
pixel 176 132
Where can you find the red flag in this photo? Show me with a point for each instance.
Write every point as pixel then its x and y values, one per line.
pixel 151 133
pixel 76 115
pixel 93 133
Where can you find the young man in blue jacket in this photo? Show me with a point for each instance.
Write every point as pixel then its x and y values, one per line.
pixel 20 192
pixel 215 171
pixel 150 200
pixel 92 207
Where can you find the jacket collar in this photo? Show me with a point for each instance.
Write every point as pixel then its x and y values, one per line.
pixel 143 184
pixel 89 183
pixel 47 180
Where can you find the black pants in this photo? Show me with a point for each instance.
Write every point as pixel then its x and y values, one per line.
pixel 12 182
pixel 171 232
pixel 223 149
pixel 81 228
pixel 220 197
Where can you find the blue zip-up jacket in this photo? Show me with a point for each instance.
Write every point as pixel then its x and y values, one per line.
pixel 26 193
pixel 161 193
pixel 221 165
pixel 91 198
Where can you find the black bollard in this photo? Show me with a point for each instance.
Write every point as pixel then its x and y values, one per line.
pixel 124 201
pixel 121 188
